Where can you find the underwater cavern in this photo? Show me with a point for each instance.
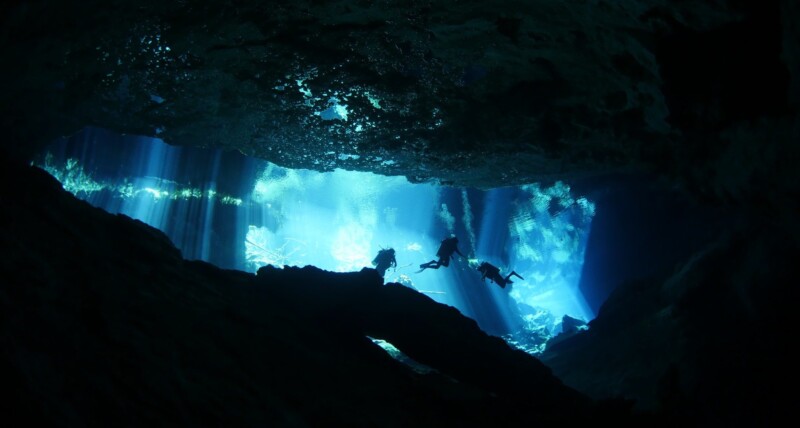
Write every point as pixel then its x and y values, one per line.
pixel 194 196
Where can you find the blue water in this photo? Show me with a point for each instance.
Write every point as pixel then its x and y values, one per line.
pixel 242 213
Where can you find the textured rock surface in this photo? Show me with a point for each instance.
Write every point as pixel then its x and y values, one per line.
pixel 477 93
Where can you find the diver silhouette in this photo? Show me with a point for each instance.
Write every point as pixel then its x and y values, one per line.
pixel 384 260
pixel 446 250
pixel 492 272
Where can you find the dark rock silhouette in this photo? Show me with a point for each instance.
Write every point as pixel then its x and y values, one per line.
pixel 102 321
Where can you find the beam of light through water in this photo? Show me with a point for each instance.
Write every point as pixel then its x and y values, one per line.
pixel 244 213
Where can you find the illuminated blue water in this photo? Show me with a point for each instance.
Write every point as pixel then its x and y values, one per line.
pixel 242 213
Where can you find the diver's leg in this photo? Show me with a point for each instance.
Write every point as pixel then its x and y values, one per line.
pixel 424 266
pixel 516 274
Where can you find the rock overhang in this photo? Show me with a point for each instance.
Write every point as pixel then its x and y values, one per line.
pixel 483 94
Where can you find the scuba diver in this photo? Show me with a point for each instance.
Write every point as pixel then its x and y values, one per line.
pixel 493 273
pixel 384 260
pixel 446 250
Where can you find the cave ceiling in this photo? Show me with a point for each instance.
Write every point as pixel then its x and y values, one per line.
pixel 475 93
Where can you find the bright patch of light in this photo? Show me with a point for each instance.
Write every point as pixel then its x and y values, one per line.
pixel 302 88
pixel 560 256
pixel 376 103
pixel 276 182
pixel 351 247
pixel 262 247
pixel 467 217
pixel 335 111
pixel 72 176
pixel 586 206
pixel 400 356
pixel 343 218
pixel 551 229
pixel 447 218
pixel 157 194
pixel 540 202
pixel 230 200
pixel 77 181
pixel 413 247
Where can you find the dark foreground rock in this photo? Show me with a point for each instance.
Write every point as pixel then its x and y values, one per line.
pixel 103 322
pixel 711 343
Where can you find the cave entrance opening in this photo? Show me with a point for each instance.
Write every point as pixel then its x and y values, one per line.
pixel 242 213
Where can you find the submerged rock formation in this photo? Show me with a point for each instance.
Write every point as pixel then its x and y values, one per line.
pixel 466 93
pixel 707 343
